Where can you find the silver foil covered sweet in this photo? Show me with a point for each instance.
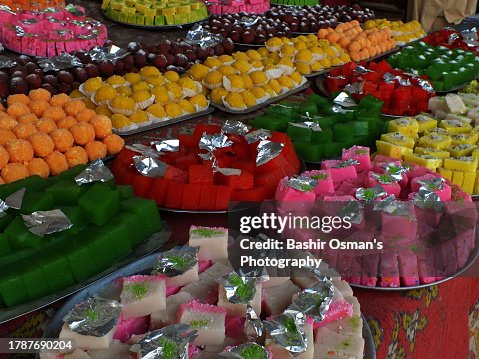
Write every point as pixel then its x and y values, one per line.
pixel 47 222
pixel 96 171
pixel 176 261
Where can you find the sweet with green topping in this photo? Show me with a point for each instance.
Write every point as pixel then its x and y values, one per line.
pixel 253 351
pixel 206 232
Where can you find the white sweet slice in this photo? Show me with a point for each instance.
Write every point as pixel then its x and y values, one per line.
pixel 356 306
pixel 277 299
pixel 208 282
pixel 349 326
pixel 219 348
pixel 473 114
pixel 455 104
pixel 451 116
pixel 116 350
pixel 189 276
pixel 343 287
pixel 329 342
pixel 437 104
pixel 440 115
pixel 167 316
pixel 239 310
pixel 275 281
pixel 87 342
pixel 142 295
pixel 213 242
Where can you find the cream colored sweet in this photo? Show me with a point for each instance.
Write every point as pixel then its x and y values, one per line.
pixel 276 299
pixel 239 310
pixel 275 281
pixel 116 350
pixel 142 295
pixel 213 242
pixel 167 316
pixel 206 288
pixel 87 342
pixel 282 353
pixel 328 343
pixel 349 326
pixel 187 277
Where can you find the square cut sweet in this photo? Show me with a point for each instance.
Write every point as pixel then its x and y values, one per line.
pixel 190 276
pixel 339 170
pixel 87 342
pixel 408 126
pixel 427 161
pixel 213 242
pixel 348 326
pixel 116 350
pixel 279 352
pixel 328 343
pixel 168 315
pixel 325 182
pixel 360 154
pixel 386 181
pixel 207 320
pixel 286 193
pixel 466 164
pixel 142 295
pixel 392 150
pixel 398 139
pixel 425 123
pixel 132 326
pixel 239 310
pixel 277 299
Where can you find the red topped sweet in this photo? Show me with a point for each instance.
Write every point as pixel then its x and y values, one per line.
pixel 209 168
pixel 403 94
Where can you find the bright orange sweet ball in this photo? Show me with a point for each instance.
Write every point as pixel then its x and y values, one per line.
pixel 59 100
pixel 39 167
pixel 102 125
pixel 28 118
pixel 83 133
pixel 18 98
pixel 114 144
pixel 67 122
pixel 55 113
pixel 57 162
pixel 95 150
pixel 85 115
pixel 4 157
pixel 46 125
pixel 7 121
pixel 24 130
pixel 40 94
pixel 62 138
pixel 76 156
pixel 5 136
pixel 42 144
pixel 18 109
pixel 14 171
pixel 38 107
pixel 72 107
pixel 19 150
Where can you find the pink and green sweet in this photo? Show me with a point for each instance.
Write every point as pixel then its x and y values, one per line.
pixel 50 32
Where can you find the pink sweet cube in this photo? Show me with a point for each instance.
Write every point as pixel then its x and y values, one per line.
pixel 142 295
pixel 430 181
pixel 208 320
pixel 128 327
pixel 389 184
pixel 408 270
pixel 360 154
pixel 285 193
pixel 426 267
pixel 325 182
pixel 370 270
pixel 338 309
pixel 339 170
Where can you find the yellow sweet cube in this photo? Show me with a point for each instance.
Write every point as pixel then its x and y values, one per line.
pixel 466 164
pixel 436 141
pixel 427 161
pixel 391 150
pixel 463 138
pixel 398 139
pixel 475 153
pixel 432 152
pixel 468 182
pixel 425 123
pixel 461 150
pixel 458 177
pixel 408 126
pixel 436 130
pixel 476 184
pixel 447 174
pixel 454 127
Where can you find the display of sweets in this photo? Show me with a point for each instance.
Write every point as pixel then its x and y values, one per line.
pixel 152 13
pixel 140 99
pixel 461 106
pixel 46 135
pixel 465 40
pixel 218 325
pixel 199 175
pixel 445 68
pixel 402 93
pixel 446 146
pixel 27 5
pixel 246 79
pixel 307 53
pixel 233 7
pixel 360 44
pixel 402 33
pixel 321 128
pixel 50 33
pixel 102 223
pixel 425 222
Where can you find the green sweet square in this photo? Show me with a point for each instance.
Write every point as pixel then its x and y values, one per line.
pixel 35 281
pixel 36 201
pixel 71 173
pixel 99 203
pixel 131 221
pixel 125 191
pixel 309 151
pixel 147 212
pixel 4 244
pixel 55 269
pixel 299 133
pixel 20 237
pixel 66 192
pixel 121 237
pixel 12 288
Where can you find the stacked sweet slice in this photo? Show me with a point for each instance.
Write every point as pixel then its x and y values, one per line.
pixel 197 319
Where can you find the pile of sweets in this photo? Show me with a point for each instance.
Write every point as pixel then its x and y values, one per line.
pixel 108 222
pixel 210 167
pixel 402 93
pixel 307 53
pixel 445 68
pixel 361 44
pixel 46 135
pixel 183 310
pixel 247 78
pixel 236 6
pixel 426 223
pixel 402 33
pixel 140 99
pixel 25 5
pixel 321 128
pixel 471 88
pixel 461 106
pixel 448 147
pixel 153 13
pixel 50 33
pixel 452 39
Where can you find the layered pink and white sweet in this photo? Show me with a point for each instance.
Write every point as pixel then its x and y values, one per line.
pixel 142 295
pixel 190 276
pixel 208 320
pixel 325 182
pixel 360 154
pixel 339 170
pixel 213 242
pixel 87 342
pixel 168 315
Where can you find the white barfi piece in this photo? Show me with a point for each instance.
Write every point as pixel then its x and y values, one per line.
pixel 142 295
pixel 239 310
pixel 343 287
pixel 167 316
pixel 440 115
pixel 188 277
pixel 454 104
pixel 328 342
pixel 277 299
pixel 437 104
pixel 274 281
pixel 87 342
pixel 356 306
pixel 208 282
pixel 349 326
pixel 473 114
pixel 228 342
pixel 207 320
pixel 469 99
pixel 213 242
pixel 116 350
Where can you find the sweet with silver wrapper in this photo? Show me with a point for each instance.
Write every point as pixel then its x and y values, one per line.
pixel 171 145
pixel 370 194
pixel 47 222
pixel 96 171
pixel 239 289
pixel 287 331
pixel 235 128
pixel 245 351
pixel 315 300
pixel 268 150
pixel 176 261
pixel 302 183
pixel 257 135
pixel 392 206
